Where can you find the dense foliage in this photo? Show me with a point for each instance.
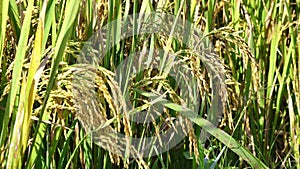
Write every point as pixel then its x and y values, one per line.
pixel 257 43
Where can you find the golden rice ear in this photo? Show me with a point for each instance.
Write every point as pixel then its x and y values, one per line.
pixel 91 100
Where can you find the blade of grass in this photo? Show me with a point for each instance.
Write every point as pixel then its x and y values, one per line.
pixel 14 16
pixel 33 76
pixel 41 34
pixel 50 16
pixel 225 138
pixel 294 128
pixel 209 15
pixel 66 147
pixel 3 21
pixel 71 11
pixel 15 147
pixel 230 142
pixel 270 82
pixel 20 55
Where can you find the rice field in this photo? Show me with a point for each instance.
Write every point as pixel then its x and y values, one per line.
pixel 149 84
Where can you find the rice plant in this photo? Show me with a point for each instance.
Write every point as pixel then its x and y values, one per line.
pixel 64 106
